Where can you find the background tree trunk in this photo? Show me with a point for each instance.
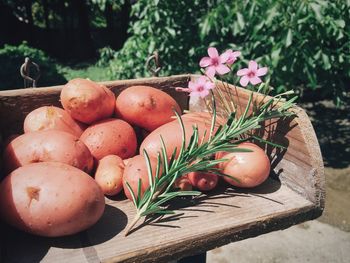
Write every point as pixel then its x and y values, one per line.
pixel 80 9
pixel 46 13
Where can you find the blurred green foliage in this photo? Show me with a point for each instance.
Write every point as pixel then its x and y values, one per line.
pixel 11 59
pixel 305 43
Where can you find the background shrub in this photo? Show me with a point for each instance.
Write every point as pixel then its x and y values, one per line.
pixel 305 44
pixel 11 59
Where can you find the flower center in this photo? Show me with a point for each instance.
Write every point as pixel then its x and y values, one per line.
pixel 200 88
pixel 215 61
pixel 251 74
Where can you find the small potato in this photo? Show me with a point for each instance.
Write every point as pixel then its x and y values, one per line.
pixel 249 168
pixel 183 183
pixel 110 136
pixel 172 134
pixel 50 199
pixel 46 146
pixel 87 101
pixel 203 181
pixel 146 107
pixel 52 118
pixel 109 174
pixel 136 170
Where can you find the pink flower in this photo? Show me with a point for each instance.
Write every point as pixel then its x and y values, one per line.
pixel 199 88
pixel 231 56
pixel 215 63
pixel 251 74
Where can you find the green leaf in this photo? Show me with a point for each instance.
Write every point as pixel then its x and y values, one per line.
pixel 326 63
pixel 289 38
pixel 317 10
pixel 240 20
pixel 171 31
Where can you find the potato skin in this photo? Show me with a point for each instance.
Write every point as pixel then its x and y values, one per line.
pixel 203 181
pixel 109 174
pixel 183 183
pixel 87 101
pixel 45 146
pixel 110 136
pixel 146 107
pixel 172 134
pixel 52 118
pixel 50 199
pixel 136 169
pixel 250 168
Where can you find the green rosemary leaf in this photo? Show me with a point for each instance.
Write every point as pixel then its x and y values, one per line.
pixel 217 172
pixel 149 170
pixel 132 194
pixel 156 178
pixel 183 143
pixel 138 191
pixel 164 155
pixel 194 140
pixel 267 142
pixel 213 119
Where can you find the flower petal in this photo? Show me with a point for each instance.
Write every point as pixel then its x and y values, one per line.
pixel 236 54
pixel 224 57
pixel 205 62
pixel 192 86
pixel 261 71
pixel 204 93
pixel 242 72
pixel 209 85
pixel 222 69
pixel 195 94
pixel 244 81
pixel 253 66
pixel 202 80
pixel 210 72
pixel 213 52
pixel 255 80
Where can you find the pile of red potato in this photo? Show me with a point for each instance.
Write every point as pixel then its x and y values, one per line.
pixel 59 170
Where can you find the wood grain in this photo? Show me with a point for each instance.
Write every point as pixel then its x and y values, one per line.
pixel 200 225
pixel 293 194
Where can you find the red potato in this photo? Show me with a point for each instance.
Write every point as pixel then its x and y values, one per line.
pixel 52 118
pixel 46 146
pixel 110 136
pixel 50 199
pixel 146 107
pixel 172 134
pixel 203 181
pixel 137 169
pixel 87 101
pixel 109 174
pixel 250 168
pixel 183 183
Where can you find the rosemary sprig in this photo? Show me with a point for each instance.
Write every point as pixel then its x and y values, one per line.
pixel 196 156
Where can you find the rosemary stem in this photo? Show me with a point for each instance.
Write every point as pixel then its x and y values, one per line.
pixel 132 223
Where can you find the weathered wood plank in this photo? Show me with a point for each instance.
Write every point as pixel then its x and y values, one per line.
pixel 199 226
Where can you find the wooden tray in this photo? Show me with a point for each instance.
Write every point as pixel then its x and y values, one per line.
pixel 294 193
